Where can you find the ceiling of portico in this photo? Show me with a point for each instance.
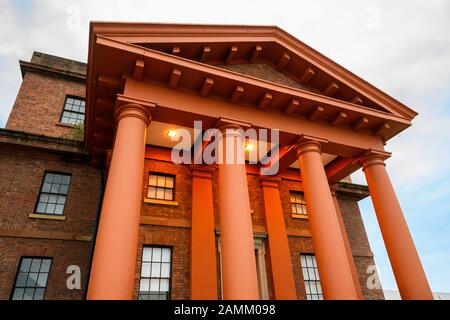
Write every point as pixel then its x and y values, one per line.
pixel 157 135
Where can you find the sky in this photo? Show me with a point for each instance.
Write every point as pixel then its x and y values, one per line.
pixel 402 47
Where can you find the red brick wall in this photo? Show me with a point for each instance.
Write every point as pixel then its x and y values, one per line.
pixel 40 102
pixel 20 184
pixel 64 254
pixel 22 173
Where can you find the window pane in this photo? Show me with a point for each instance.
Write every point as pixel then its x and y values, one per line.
pixel 50 209
pixel 147 254
pixel 48 177
pixel 29 293
pixel 52 198
pixel 156 270
pixel 154 285
pixel 42 280
pixel 45 266
pixel 63 189
pixel 21 279
pixel 18 294
pixel 169 182
pixel 161 181
pixel 294 208
pixel 165 270
pixel 157 252
pixel 165 255
pixel 25 265
pixel 145 270
pixel 41 208
pixel 39 294
pixel 164 285
pixel 160 193
pixel 169 194
pixel 59 209
pixel 46 187
pixel 35 265
pixel 44 197
pixel 32 279
pixel 151 192
pixel 57 178
pixel 65 180
pixel 145 285
pixel 152 180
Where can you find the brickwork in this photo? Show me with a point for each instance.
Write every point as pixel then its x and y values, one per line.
pixel 40 102
pixel 64 254
pixel 22 176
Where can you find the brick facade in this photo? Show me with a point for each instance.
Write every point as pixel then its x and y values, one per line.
pixel 37 110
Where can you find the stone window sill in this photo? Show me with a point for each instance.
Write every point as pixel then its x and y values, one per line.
pixel 66 125
pixel 300 216
pixel 47 217
pixel 161 202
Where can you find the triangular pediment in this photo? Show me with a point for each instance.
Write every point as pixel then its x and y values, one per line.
pixel 265 72
pixel 262 67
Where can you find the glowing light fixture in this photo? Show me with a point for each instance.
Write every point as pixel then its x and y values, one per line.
pixel 172 133
pixel 249 147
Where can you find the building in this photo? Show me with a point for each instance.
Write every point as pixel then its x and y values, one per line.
pixel 89 181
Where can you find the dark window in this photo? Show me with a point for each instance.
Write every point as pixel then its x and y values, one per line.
pixel 53 195
pixel 155 273
pixel 298 203
pixel 74 110
pixel 161 187
pixel 311 277
pixel 31 279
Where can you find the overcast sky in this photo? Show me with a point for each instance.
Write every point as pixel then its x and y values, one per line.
pixel 402 47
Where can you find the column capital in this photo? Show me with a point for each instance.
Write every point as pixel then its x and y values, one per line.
pixel 131 107
pixel 307 143
pixel 270 182
pixel 373 157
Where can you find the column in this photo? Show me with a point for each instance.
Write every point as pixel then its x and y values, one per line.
pixel 240 281
pixel 348 248
pixel 280 256
pixel 113 267
pixel 329 246
pixel 408 270
pixel 203 242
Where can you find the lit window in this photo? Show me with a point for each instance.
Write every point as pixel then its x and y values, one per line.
pixel 74 110
pixel 31 279
pixel 53 195
pixel 161 187
pixel 155 273
pixel 298 203
pixel 311 277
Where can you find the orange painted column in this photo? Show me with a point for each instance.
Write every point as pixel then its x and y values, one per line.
pixel 280 256
pixel 113 267
pixel 348 248
pixel 329 245
pixel 203 241
pixel 240 281
pixel 408 270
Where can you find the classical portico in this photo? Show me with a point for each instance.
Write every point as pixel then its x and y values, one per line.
pixel 331 124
